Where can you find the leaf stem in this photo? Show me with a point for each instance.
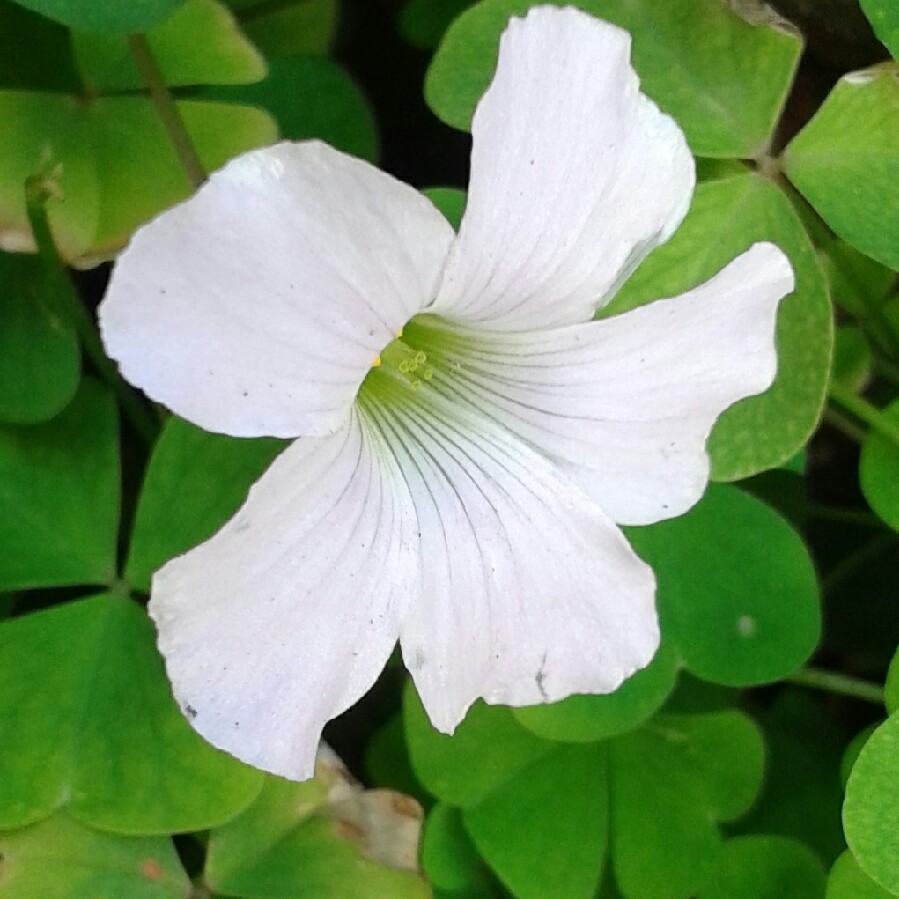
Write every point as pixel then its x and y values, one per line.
pixel 839 684
pixel 844 424
pixel 38 189
pixel 864 411
pixel 166 109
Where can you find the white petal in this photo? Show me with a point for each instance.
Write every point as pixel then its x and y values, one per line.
pixel 575 177
pixel 286 617
pixel 529 593
pixel 626 404
pixel 257 306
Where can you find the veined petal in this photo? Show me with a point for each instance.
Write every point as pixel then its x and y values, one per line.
pixel 257 306
pixel 284 618
pixel 626 404
pixel 529 593
pixel 575 177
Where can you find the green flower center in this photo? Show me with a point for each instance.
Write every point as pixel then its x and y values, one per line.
pixel 413 359
pixel 398 358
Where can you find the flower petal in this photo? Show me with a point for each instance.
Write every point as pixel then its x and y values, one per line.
pixel 626 404
pixel 575 177
pixel 286 617
pixel 257 306
pixel 529 593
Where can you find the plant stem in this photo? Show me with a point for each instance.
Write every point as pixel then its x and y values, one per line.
pixel 864 411
pixel 166 109
pixel 38 190
pixel 844 424
pixel 840 684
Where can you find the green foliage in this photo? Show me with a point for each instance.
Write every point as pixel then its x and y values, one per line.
pixel 111 157
pixel 846 165
pixel 41 57
pixel 733 626
pixel 40 360
pixel 581 719
pixel 90 726
pixel 290 843
pixel 105 15
pixel 423 22
pixel 659 789
pixel 852 357
pixel 722 79
pixel 283 29
pixel 848 881
pixel 450 201
pixel 450 859
pixel 62 859
pixel 891 688
pixel 871 810
pixel 765 867
pixel 884 18
pixel 559 804
pixel 879 470
pixel 685 782
pixel 195 482
pixel 671 781
pixel 802 795
pixel 486 750
pixel 59 483
pixel 310 96
pixel 224 56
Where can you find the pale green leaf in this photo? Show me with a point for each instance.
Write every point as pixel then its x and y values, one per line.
pixel 200 44
pixel 62 859
pixel 845 161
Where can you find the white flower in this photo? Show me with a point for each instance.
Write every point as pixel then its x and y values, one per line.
pixel 463 494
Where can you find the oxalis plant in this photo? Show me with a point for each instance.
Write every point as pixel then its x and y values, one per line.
pixel 367 538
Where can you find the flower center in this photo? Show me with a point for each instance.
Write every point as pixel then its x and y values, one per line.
pixel 404 363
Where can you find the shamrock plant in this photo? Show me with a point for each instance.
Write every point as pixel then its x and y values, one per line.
pixel 311 413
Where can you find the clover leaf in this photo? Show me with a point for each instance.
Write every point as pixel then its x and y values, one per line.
pixel 90 726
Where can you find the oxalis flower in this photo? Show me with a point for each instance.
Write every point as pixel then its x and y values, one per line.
pixel 468 438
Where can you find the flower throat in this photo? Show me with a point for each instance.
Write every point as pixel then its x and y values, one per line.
pixel 400 359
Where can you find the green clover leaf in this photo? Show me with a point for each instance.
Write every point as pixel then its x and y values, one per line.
pixel 871 809
pixel 845 162
pixel 90 726
pixel 62 859
pixel 59 483
pixel 194 482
